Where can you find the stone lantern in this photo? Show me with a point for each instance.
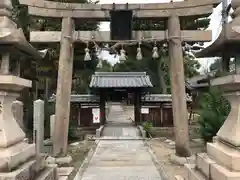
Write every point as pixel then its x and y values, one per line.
pixel 17 158
pixel 222 160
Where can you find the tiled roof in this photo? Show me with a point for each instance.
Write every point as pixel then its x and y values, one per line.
pixel 161 98
pixel 79 98
pixel 120 80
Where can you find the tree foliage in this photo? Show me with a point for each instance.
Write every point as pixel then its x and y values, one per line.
pixel 157 69
pixel 213 111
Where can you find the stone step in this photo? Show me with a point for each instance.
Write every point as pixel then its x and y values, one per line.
pixel 49 173
pixel 63 178
pixel 193 174
pixel 64 172
pixel 26 171
pixel 203 163
pixel 179 177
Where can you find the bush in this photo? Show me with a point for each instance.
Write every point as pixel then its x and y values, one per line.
pixel 147 126
pixel 214 109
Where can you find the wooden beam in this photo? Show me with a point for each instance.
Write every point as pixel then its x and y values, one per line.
pixel 104 36
pixel 101 11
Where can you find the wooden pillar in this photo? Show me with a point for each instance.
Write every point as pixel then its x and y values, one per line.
pixel 179 105
pixel 64 83
pixel 225 62
pixel 137 107
pixel 237 64
pixel 102 107
pixel 79 114
pixel 161 114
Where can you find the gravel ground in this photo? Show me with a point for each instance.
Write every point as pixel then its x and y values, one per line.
pixel 163 152
pixel 79 151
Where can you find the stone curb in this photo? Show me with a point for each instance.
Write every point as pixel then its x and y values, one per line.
pixel 99 131
pixel 160 168
pixel 85 163
pixel 142 131
pixel 125 139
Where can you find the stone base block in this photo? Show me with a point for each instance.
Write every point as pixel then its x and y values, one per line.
pixel 203 163
pixel 207 169
pixel 49 173
pixel 224 155
pixel 221 173
pixel 64 160
pixel 17 154
pixel 63 178
pixel 59 160
pixel 64 172
pixel 3 166
pixel 193 174
pixel 179 177
pixel 25 171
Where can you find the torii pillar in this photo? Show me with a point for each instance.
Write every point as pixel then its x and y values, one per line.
pixel 60 134
pixel 179 104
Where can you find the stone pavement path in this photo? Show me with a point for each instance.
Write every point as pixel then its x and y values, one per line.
pixel 119 124
pixel 120 159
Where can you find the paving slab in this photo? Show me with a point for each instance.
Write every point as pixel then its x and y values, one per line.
pixel 122 158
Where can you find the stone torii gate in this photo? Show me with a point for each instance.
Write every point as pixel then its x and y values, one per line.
pixel 68 36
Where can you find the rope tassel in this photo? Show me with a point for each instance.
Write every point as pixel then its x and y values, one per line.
pixel 99 65
pixel 87 56
pixel 155 54
pixel 122 56
pixel 139 53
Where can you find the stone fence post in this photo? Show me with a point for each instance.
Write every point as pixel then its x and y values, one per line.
pixel 52 125
pixel 38 126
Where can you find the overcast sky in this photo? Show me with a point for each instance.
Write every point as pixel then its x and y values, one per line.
pixel 215 26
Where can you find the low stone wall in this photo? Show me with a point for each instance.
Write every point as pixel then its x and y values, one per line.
pixel 81 132
pixel 169 131
pixel 162 132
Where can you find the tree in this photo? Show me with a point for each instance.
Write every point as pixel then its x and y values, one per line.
pixel 213 111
